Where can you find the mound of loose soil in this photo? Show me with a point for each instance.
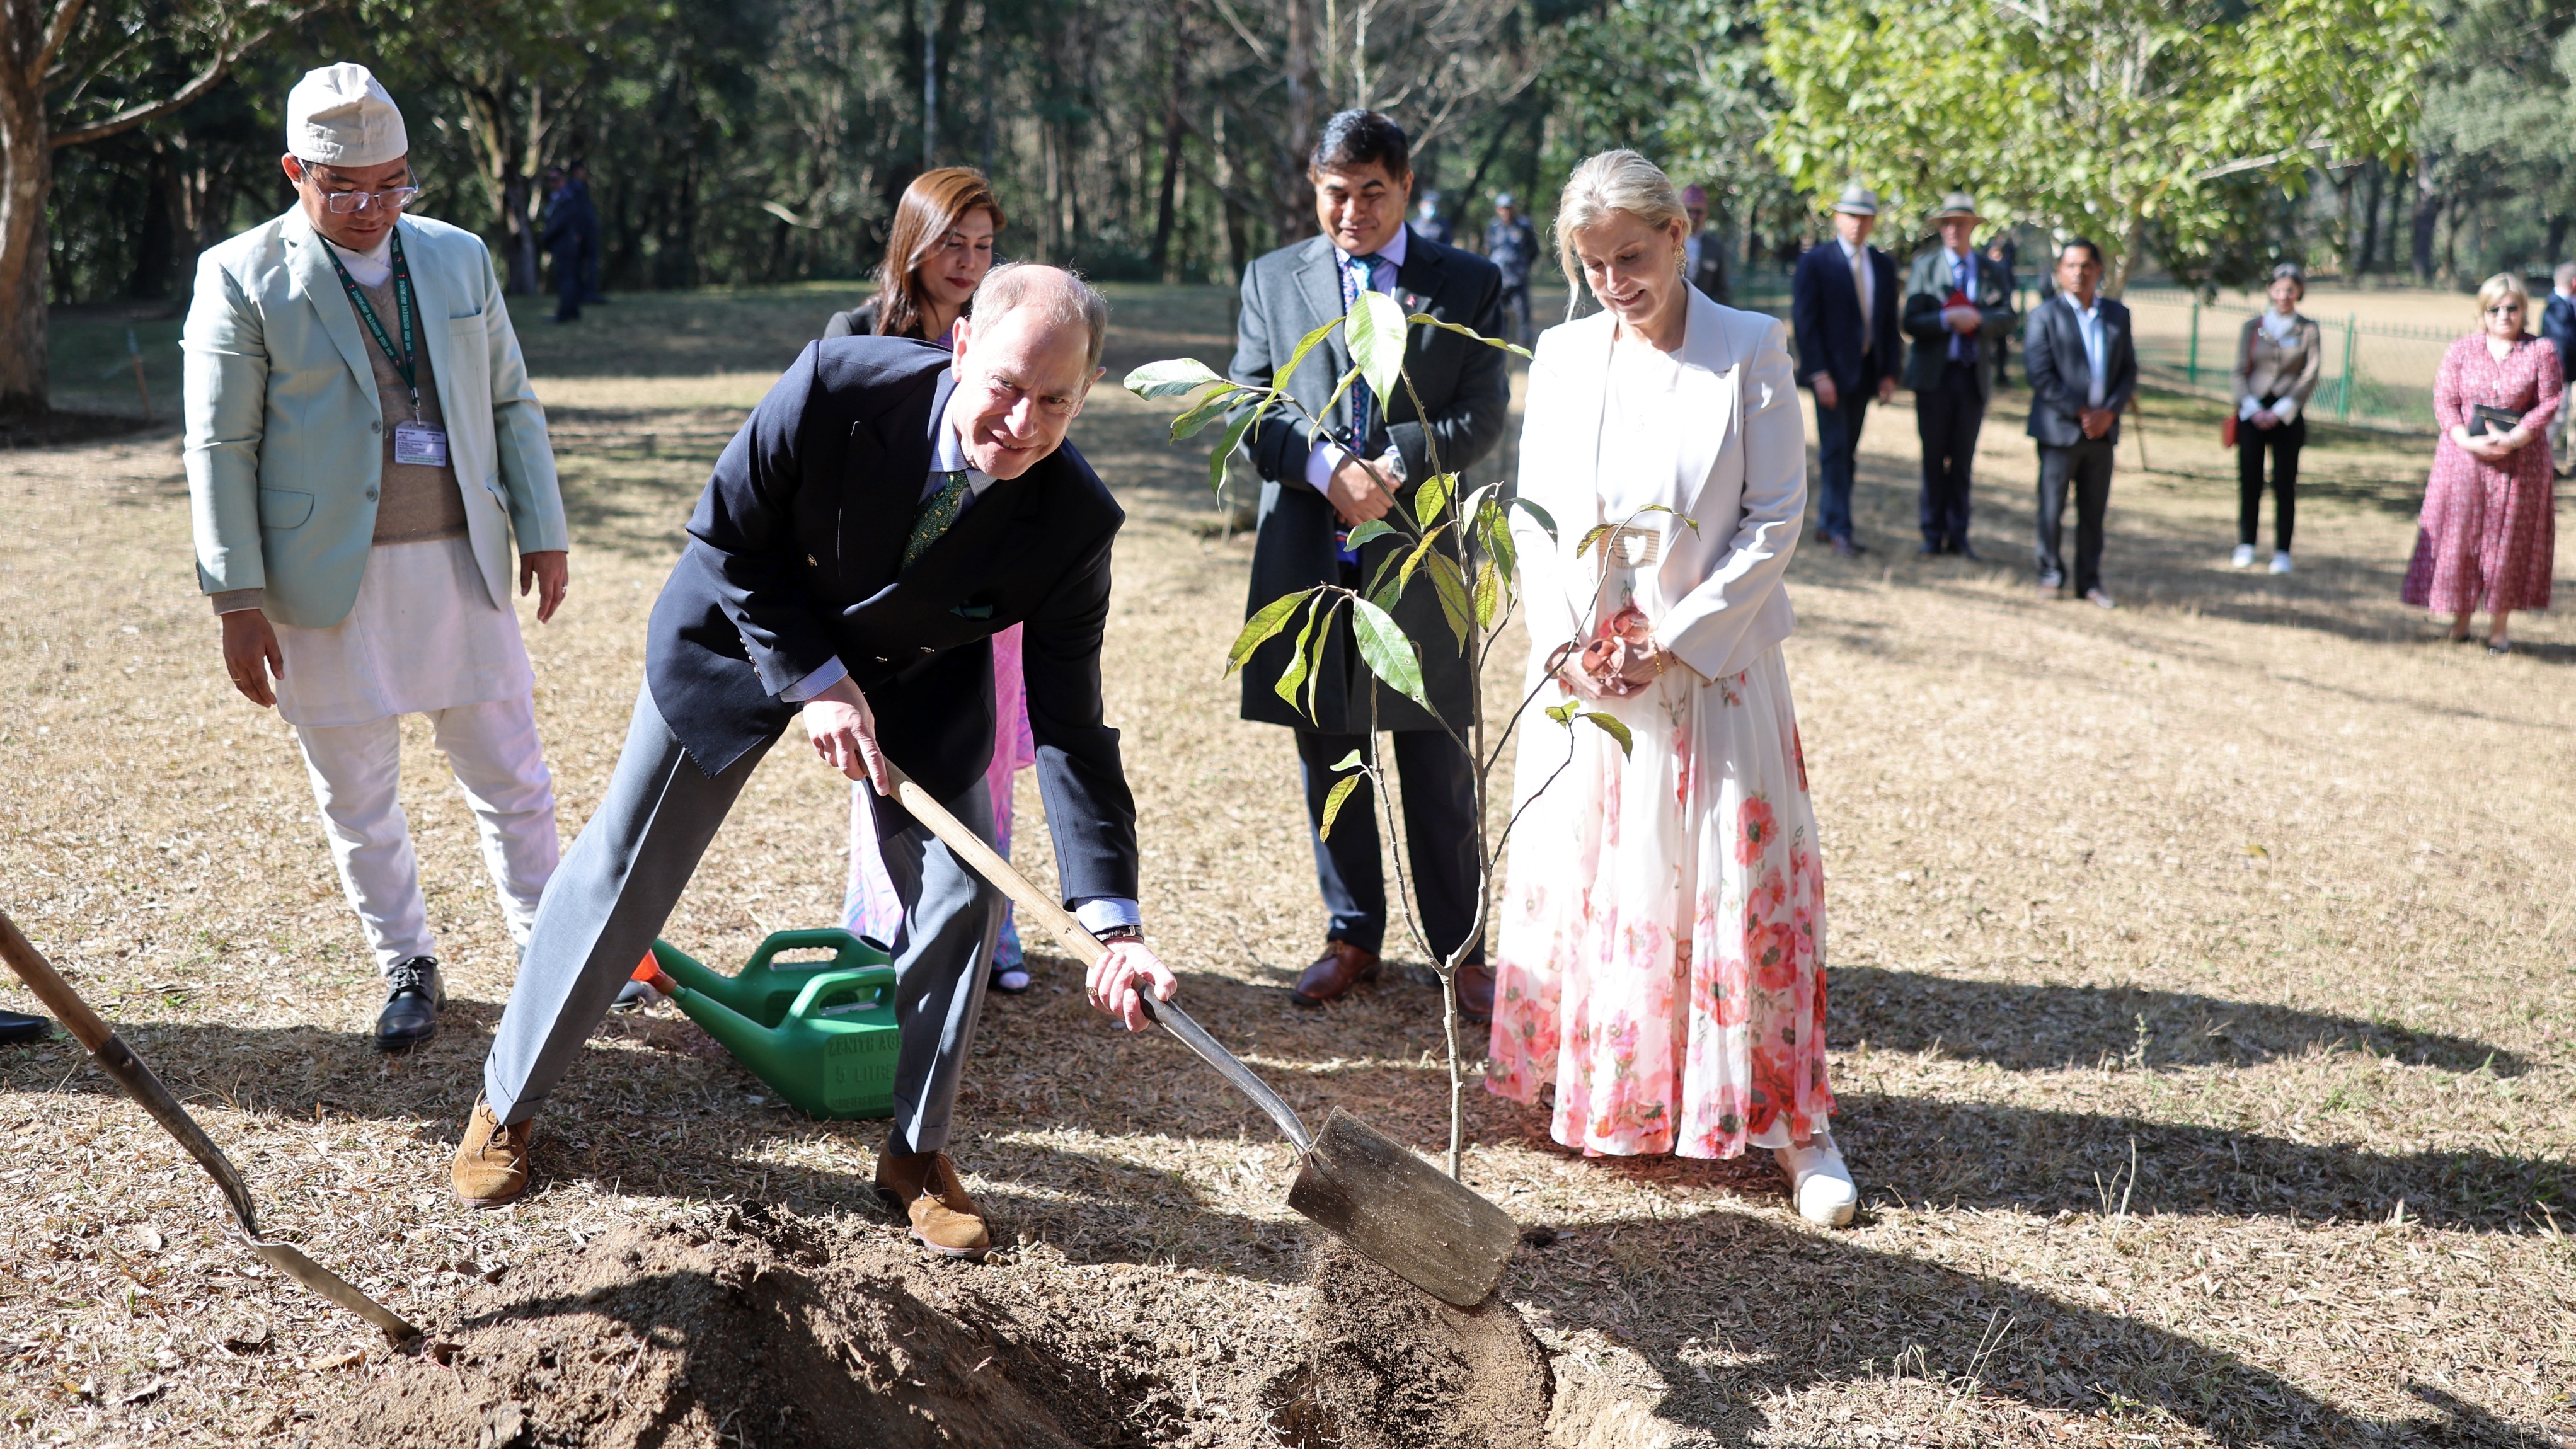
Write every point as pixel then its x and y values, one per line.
pixel 753 1326
pixel 1388 1366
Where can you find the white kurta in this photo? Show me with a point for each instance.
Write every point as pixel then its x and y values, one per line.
pixel 422 636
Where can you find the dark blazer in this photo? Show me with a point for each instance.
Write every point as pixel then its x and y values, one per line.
pixel 2558 324
pixel 2061 380
pixel 1928 284
pixel 1824 317
pixel 1465 397
pixel 859 321
pixel 791 562
pixel 1710 275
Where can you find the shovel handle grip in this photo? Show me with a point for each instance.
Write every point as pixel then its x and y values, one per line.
pixel 1085 946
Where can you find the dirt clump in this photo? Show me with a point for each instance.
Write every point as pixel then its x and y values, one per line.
pixel 1388 1366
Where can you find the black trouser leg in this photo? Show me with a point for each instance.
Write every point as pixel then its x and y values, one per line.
pixel 1349 869
pixel 2286 443
pixel 2249 481
pixel 1947 420
pixel 1439 792
pixel 2092 478
pixel 2054 468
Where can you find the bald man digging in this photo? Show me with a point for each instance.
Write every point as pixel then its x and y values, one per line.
pixel 884 513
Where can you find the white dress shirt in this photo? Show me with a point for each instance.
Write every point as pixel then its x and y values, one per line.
pixel 2088 320
pixel 1325 456
pixel 1864 285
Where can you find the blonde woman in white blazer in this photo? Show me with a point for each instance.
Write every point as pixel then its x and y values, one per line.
pixel 1663 915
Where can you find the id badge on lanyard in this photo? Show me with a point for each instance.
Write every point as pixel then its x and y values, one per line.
pixel 421 443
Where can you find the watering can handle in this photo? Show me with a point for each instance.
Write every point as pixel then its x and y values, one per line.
pixel 1085 946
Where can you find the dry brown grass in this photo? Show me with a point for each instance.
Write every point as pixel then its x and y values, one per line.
pixel 2203 1015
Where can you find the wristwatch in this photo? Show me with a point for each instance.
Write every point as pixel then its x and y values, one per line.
pixel 1120 933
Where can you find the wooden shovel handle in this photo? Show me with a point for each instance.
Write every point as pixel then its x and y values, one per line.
pixel 50 988
pixel 1039 906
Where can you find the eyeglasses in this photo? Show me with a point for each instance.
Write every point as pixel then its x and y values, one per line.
pixel 344 203
pixel 2501 308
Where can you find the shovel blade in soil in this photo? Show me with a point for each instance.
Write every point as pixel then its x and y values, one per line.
pixel 1426 1228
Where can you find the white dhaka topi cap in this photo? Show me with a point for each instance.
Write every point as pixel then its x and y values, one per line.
pixel 341 115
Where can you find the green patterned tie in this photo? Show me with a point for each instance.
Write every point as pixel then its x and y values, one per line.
pixel 937 512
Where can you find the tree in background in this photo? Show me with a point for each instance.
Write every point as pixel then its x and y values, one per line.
pixel 71 74
pixel 2495 124
pixel 2100 116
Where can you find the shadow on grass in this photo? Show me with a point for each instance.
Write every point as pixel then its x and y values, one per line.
pixel 1821 1310
pixel 2041 1028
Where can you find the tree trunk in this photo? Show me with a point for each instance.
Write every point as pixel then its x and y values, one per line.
pixel 2376 178
pixel 1174 130
pixel 26 181
pixel 2428 213
pixel 1296 212
pixel 157 247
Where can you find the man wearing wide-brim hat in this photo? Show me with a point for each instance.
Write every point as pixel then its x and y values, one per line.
pixel 362 449
pixel 1958 310
pixel 1842 310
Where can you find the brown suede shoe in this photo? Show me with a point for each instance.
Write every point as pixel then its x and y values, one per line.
pixel 1476 991
pixel 1341 967
pixel 923 1186
pixel 491 1165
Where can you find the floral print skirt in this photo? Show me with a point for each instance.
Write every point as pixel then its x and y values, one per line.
pixel 1662 947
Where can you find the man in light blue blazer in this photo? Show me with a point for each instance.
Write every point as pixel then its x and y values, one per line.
pixel 362 449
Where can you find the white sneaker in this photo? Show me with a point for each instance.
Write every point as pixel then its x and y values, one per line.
pixel 2281 561
pixel 1819 1181
pixel 2244 556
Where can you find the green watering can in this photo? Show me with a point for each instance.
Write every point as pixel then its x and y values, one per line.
pixel 823 1033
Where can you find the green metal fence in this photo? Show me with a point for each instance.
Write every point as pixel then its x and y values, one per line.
pixel 2377 375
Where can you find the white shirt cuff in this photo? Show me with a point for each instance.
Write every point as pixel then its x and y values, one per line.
pixel 832 672
pixel 2287 410
pixel 1100 913
pixel 2246 409
pixel 234 601
pixel 1321 460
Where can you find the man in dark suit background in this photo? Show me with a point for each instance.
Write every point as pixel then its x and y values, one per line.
pixel 1958 309
pixel 1317 485
pixel 1511 244
pixel 2558 325
pixel 1704 252
pixel 2083 367
pixel 880 517
pixel 1842 310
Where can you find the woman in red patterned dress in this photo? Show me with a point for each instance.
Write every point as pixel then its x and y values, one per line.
pixel 2488 531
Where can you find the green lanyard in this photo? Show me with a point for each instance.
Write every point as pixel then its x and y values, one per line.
pixel 402 360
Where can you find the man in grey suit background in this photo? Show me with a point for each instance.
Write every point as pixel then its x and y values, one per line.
pixel 1317 485
pixel 2083 367
pixel 1958 309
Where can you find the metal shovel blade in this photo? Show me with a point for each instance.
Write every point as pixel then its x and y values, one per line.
pixel 1424 1226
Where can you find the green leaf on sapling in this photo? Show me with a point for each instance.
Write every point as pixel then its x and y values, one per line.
pixel 1428 320
pixel 1333 804
pixel 1611 726
pixel 1305 345
pixel 1540 515
pixel 1171 377
pixel 1258 629
pixel 1375 528
pixel 1432 496
pixel 1374 332
pixel 1386 650
pixel 1350 761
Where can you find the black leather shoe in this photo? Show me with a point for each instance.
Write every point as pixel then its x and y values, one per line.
pixel 17 1027
pixel 1967 553
pixel 413 996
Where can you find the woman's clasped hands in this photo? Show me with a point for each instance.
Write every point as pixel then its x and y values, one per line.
pixel 1622 658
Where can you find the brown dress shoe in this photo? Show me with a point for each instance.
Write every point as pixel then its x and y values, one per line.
pixel 491 1165
pixel 1476 991
pixel 923 1186
pixel 1341 967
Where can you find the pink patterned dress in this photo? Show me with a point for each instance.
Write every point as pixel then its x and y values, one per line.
pixel 2488 533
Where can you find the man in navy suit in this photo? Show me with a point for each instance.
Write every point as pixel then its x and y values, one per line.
pixel 1843 308
pixel 1958 310
pixel 2083 368
pixel 881 516
pixel 2558 324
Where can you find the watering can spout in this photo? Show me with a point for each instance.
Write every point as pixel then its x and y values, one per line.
pixel 823 1034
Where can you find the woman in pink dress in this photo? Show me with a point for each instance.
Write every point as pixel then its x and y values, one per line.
pixel 2488 532
pixel 937 253
pixel 1662 945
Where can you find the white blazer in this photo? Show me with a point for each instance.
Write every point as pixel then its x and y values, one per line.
pixel 1741 476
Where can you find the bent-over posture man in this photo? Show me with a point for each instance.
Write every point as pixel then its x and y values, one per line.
pixel 880 517
pixel 362 445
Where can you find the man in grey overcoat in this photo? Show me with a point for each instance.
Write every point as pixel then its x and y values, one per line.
pixel 1314 492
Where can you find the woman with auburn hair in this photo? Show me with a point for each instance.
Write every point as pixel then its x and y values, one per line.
pixel 2489 527
pixel 1663 929
pixel 937 253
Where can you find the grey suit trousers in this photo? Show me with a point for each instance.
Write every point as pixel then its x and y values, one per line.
pixel 625 872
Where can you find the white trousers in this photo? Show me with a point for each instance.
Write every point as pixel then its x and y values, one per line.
pixel 357 774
